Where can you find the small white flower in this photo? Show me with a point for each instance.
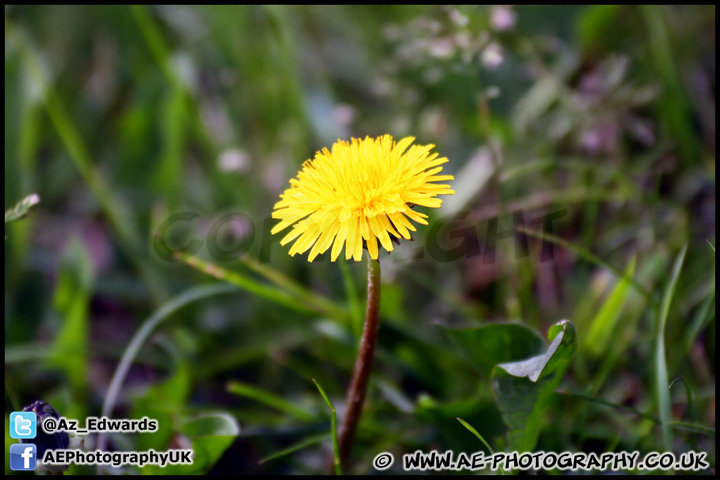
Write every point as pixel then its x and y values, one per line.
pixel 492 56
pixel 502 18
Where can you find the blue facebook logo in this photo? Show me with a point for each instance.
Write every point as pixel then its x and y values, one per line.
pixel 23 456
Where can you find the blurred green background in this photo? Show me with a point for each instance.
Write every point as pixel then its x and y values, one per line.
pixel 159 138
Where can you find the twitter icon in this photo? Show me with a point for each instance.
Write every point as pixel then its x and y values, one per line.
pixel 23 425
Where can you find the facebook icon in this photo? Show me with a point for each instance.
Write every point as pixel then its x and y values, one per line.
pixel 23 456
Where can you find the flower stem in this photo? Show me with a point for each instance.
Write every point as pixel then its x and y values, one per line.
pixel 363 364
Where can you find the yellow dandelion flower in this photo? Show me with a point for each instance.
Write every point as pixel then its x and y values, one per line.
pixel 360 192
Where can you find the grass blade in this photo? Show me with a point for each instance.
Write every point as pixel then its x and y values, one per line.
pixel 586 255
pixel 603 324
pixel 661 374
pixel 167 309
pixel 333 427
pixel 293 301
pixel 699 322
pixel 294 448
pixel 116 210
pixel 356 311
pixel 269 399
pixel 472 430
pixel 693 427
pixel 607 403
pixel 691 413
pixel 286 283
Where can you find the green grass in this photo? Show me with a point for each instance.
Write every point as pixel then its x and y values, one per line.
pixel 121 119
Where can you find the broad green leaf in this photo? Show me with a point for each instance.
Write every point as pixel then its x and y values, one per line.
pixel 211 434
pixel 495 343
pixel 555 330
pixel 603 324
pixel 524 389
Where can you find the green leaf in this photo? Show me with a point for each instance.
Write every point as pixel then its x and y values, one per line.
pixel 555 330
pixel 495 343
pixel 524 389
pixel 603 324
pixel 211 433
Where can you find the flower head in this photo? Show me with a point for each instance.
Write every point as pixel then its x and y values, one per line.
pixel 360 193
pixel 47 441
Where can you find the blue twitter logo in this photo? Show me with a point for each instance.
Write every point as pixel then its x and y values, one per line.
pixel 23 425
